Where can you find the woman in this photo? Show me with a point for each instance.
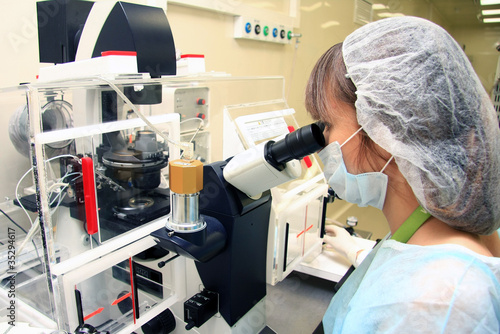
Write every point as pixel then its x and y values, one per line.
pixel 412 132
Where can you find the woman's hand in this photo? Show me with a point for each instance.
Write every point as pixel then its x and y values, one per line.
pixel 340 240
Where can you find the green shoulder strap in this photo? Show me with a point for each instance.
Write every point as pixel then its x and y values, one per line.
pixel 411 225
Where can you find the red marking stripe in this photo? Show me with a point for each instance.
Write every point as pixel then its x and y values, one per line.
pixel 121 298
pixel 307 229
pixel 99 310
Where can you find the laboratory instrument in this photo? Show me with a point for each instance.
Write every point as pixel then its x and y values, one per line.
pixel 105 236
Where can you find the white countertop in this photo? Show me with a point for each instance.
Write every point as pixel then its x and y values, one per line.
pixel 330 265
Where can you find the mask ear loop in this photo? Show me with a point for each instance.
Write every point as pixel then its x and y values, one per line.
pixel 355 133
pixel 387 164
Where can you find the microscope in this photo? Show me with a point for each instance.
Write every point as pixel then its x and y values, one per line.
pixel 216 214
pixel 220 216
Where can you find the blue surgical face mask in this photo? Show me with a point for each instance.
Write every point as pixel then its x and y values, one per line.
pixel 362 189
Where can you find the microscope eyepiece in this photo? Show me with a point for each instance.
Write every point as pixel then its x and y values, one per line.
pixel 296 145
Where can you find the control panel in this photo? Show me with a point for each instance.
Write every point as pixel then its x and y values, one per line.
pixel 192 104
pixel 199 308
pixel 189 102
pixel 261 30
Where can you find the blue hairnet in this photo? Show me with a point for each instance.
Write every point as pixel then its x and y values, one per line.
pixel 419 98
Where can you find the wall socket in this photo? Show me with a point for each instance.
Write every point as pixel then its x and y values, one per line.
pixel 261 30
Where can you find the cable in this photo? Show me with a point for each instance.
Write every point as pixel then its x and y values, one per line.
pixel 183 146
pixel 19 199
pixel 194 119
pixel 29 170
pixel 29 236
pixel 35 227
pixel 202 124
pixel 22 229
pixel 13 222
pixel 58 184
pixel 65 156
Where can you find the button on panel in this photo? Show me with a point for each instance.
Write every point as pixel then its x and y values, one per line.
pixel 191 103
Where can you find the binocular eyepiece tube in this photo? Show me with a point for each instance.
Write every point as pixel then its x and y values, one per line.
pixel 296 145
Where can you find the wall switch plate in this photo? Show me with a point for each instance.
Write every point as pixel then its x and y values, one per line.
pixel 261 30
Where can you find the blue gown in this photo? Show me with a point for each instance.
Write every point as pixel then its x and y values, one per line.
pixel 401 288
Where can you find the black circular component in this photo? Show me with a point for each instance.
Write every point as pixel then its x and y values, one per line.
pixel 125 305
pixel 137 167
pixel 141 202
pixel 163 323
pixel 257 29
pixel 88 329
pixel 134 205
pixel 295 145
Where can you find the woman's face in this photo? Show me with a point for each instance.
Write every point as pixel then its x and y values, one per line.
pixel 341 125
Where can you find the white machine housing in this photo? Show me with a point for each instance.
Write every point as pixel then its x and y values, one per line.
pixel 252 174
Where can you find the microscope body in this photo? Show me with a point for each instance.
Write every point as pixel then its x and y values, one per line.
pixel 230 246
pixel 232 261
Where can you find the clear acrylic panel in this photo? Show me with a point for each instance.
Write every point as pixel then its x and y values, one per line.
pixel 64 136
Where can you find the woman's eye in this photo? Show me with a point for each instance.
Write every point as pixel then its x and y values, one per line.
pixel 325 126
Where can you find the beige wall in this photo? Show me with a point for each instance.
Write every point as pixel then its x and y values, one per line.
pixel 322 24
pixel 19 42
pixel 479 45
